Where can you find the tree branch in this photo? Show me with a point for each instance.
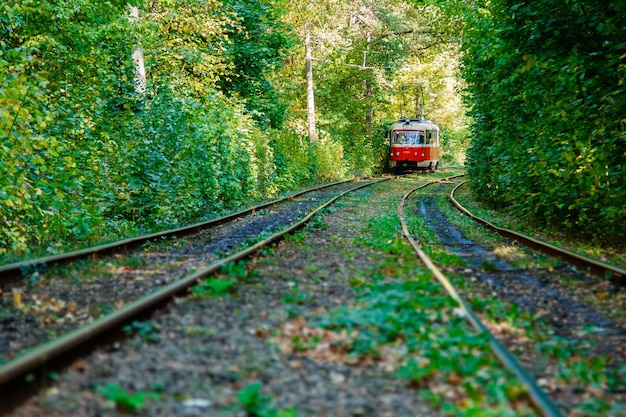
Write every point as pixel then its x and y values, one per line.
pixel 402 33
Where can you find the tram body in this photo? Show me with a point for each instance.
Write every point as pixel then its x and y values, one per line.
pixel 413 145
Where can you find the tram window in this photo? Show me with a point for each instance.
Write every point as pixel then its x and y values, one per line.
pixel 408 138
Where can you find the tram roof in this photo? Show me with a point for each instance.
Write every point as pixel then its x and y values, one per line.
pixel 414 123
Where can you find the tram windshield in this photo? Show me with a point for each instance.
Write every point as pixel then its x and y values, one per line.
pixel 414 137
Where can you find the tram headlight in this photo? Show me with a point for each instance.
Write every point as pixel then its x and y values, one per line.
pixel 397 153
pixel 414 153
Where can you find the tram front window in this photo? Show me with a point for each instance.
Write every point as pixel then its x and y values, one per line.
pixel 408 138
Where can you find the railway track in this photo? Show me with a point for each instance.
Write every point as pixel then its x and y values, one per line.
pixel 534 289
pixel 205 353
pixel 544 405
pixel 46 305
pixel 615 274
pixel 19 270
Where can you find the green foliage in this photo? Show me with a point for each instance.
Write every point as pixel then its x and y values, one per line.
pixel 213 287
pixel 416 374
pixel 364 56
pixel 252 401
pixel 146 330
pixel 124 400
pixel 548 103
pixel 51 55
pixel 257 405
pixel 257 44
pixel 296 296
pixel 405 312
pixel 310 343
pixel 327 159
pixel 85 156
pixel 239 270
pixel 293 161
pixel 301 162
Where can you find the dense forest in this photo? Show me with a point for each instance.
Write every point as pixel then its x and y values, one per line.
pixel 546 83
pixel 120 118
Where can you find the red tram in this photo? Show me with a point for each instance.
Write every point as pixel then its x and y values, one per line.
pixel 413 145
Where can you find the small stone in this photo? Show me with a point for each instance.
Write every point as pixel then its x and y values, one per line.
pixel 197 402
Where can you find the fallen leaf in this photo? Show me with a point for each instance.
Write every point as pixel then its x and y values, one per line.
pixel 294 364
pixel 259 332
pixel 455 379
pixel 337 378
pixel 79 365
pixel 17 300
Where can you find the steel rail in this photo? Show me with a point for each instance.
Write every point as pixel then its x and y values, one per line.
pixel 41 355
pixel 16 270
pixel 596 267
pixel 543 404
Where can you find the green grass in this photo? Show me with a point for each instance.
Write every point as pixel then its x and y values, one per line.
pixel 126 401
pixel 255 404
pixel 213 287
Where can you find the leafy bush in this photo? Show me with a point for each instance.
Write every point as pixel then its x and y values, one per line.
pixel 548 105
pixel 86 156
pixel 291 158
pixel 327 159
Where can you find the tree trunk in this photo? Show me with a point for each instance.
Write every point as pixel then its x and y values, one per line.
pixel 368 94
pixel 140 68
pixel 310 97
pixel 140 71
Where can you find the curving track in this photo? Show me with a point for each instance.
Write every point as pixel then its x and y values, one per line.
pixel 534 289
pixel 543 404
pixel 594 266
pixel 161 271
pixel 252 233
pixel 24 269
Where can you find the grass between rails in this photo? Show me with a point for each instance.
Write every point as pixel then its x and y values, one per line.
pixel 595 381
pixel 405 324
